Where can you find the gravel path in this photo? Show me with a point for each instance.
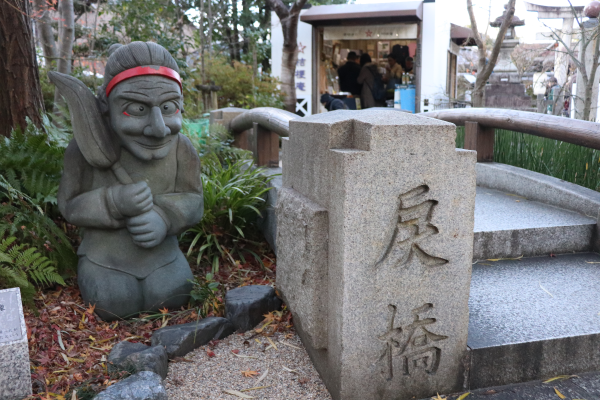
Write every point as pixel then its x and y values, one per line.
pixel 199 376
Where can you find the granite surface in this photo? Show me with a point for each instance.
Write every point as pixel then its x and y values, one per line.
pixel 399 249
pixel 302 267
pixel 582 386
pixel 145 385
pixel 15 376
pixel 539 187
pixel 509 225
pixel 534 318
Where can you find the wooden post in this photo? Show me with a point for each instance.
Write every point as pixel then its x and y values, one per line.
pixel 267 147
pixel 480 139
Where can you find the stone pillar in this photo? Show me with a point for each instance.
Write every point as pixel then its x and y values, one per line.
pixel 15 376
pixel 561 60
pixel 589 29
pixel 375 240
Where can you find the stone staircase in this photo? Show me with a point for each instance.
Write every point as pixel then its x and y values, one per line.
pixel 535 290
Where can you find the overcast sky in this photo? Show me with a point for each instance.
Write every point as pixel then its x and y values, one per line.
pixel 482 8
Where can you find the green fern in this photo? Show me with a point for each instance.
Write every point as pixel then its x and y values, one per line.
pixel 32 161
pixel 23 218
pixel 25 267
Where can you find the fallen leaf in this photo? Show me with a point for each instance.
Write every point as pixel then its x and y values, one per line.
pixel 255 388
pixel 559 394
pixel 502 259
pixel 263 376
pixel 236 393
pixel 181 359
pixel 289 370
pixel 272 344
pixel 241 356
pixel 560 377
pixel 210 353
pixel 463 396
pixel 235 351
pixel 290 345
pixel 248 374
pixel 544 289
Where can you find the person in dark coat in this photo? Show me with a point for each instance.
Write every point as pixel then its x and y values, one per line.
pixel 332 104
pixel 348 74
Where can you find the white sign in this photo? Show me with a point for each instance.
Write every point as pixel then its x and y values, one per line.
pixel 303 65
pixel 539 83
pixel 373 32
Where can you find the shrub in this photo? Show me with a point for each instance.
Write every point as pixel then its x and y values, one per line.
pixel 218 142
pixel 237 85
pixel 30 171
pixel 234 194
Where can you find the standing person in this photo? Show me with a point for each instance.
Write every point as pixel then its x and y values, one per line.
pixel 393 73
pixel 348 74
pixel 409 64
pixel 373 92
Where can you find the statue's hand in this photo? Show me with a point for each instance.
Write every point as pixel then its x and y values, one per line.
pixel 133 199
pixel 148 229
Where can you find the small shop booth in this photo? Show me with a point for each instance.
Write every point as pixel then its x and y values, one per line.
pixel 326 34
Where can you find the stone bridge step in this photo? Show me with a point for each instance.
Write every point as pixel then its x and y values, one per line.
pixel 534 318
pixel 508 226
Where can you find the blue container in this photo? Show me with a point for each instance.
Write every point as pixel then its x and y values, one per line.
pixel 407 98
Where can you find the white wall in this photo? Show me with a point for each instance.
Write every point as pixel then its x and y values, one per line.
pixel 305 45
pixel 434 52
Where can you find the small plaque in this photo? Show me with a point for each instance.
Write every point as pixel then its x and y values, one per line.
pixel 10 317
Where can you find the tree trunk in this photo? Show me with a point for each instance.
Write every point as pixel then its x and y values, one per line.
pixel 265 23
pixel 235 31
pixel 288 65
pixel 210 28
pixel 20 92
pixel 289 25
pixel 478 97
pixel 484 70
pixel 66 37
pixel 45 33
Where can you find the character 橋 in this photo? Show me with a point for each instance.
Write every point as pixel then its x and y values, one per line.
pixel 131 181
pixel 415 345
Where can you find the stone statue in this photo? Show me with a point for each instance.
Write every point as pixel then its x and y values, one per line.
pixel 131 181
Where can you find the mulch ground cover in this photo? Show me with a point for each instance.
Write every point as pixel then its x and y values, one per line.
pixel 69 344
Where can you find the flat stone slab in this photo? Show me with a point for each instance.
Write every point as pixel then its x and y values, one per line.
pixel 507 225
pixel 582 386
pixel 534 318
pixel 500 211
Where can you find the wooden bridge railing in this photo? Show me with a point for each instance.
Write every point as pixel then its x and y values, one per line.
pixel 258 130
pixel 480 125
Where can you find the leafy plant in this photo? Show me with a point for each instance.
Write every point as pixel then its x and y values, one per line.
pixel 31 161
pixel 234 194
pixel 569 162
pixel 204 294
pixel 25 267
pixel 23 218
pixel 218 142
pixel 239 87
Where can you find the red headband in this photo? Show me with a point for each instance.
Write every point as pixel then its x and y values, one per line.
pixel 138 71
